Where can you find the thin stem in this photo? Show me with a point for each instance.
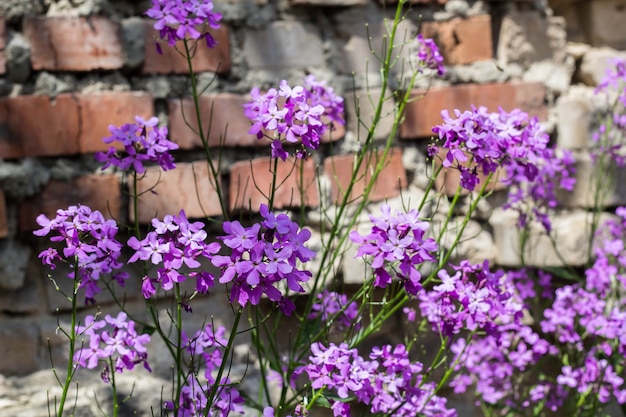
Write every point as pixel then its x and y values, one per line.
pixel 113 386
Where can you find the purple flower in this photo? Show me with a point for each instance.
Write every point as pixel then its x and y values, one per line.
pixel 180 19
pixel 298 115
pixel 90 245
pixel 263 257
pixel 142 141
pixel 428 55
pixel 396 243
pixel 333 308
pixel 113 338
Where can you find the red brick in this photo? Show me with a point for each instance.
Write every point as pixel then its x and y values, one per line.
pixel 222 112
pixel 38 126
pixel 4 222
pixel 449 179
pixel 74 43
pixel 250 184
pixel 215 59
pixel 187 187
pixel 3 39
pixel 422 114
pixel 121 108
pixel 391 180
pixel 462 41
pixel 99 192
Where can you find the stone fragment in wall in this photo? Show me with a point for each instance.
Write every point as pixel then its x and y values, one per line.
pixel 19 339
pixel 574 117
pixel 30 297
pixel 13 261
pixel 603 22
pixel 529 36
pixel 476 244
pixel 78 7
pixel 595 64
pixel 570 234
pixel 360 106
pixel 18 59
pixel 557 76
pixel 612 181
pixel 133 42
pixel 481 72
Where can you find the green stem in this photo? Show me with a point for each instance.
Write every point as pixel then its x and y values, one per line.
pixel 113 386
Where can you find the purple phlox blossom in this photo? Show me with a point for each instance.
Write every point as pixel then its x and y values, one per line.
pixel 333 308
pixel 473 298
pixel 90 245
pixel 388 382
pixel 176 246
pixel 428 55
pixel 113 338
pixel 142 141
pixel 397 245
pixel 180 19
pixel 264 259
pixel 297 115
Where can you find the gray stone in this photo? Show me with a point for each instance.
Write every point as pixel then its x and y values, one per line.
pixel 284 45
pixel 20 343
pixel 110 82
pixel 475 244
pixel 78 7
pixel 13 261
pixel 481 72
pixel 458 8
pixel 133 42
pixel 556 76
pixel 604 23
pixel 24 178
pixel 18 59
pixel 568 243
pixel 49 85
pixel 596 63
pixel 15 9
pixel 360 107
pixel 29 298
pixel 574 117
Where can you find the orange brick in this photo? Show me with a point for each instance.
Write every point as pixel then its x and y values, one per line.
pixel 215 59
pixel 424 113
pixel 391 180
pixel 250 184
pixel 121 108
pixel 99 192
pixel 462 41
pixel 187 187
pixel 222 112
pixel 74 43
pixel 38 126
pixel 4 222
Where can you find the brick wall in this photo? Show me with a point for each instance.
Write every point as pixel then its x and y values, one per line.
pixel 67 73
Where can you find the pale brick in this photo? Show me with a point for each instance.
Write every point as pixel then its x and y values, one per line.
pixel 250 184
pixel 570 233
pixel 596 63
pixel 612 181
pixel 284 45
pixel 74 43
pixel 189 187
pixel 360 106
pixel 604 22
pixel 574 116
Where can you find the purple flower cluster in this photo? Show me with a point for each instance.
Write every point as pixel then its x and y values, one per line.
pixel 428 55
pixel 180 19
pixel 333 308
pixel 298 115
pixel 389 383
pixel 90 244
pixel 397 245
pixel 610 137
pixel 264 256
pixel 206 347
pixel 174 243
pixel 113 338
pixel 479 142
pixel 474 298
pixel 143 142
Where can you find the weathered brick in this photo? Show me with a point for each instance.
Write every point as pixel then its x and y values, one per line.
pixel 188 187
pixel 4 222
pixel 250 184
pixel 20 343
pixel 38 126
pixel 422 114
pixel 99 192
pixel 391 180
pixel 222 112
pixel 215 59
pixel 449 179
pixel 462 41
pixel 74 43
pixel 284 45
pixel 121 108
pixel 3 43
